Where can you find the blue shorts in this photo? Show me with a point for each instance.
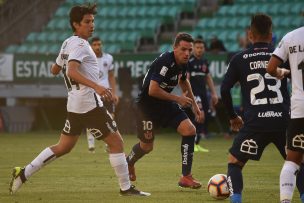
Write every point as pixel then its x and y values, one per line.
pixel 295 135
pixel 149 117
pixel 250 145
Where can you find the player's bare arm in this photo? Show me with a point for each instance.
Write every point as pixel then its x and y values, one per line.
pixel 156 91
pixel 55 69
pixel 210 84
pixel 186 87
pixel 274 70
pixel 74 74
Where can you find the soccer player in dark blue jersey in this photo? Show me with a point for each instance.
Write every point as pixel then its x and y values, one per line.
pixel 199 76
pixel 265 100
pixel 157 107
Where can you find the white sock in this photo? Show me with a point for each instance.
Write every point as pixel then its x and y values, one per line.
pixel 288 180
pixel 120 165
pixel 91 139
pixel 44 158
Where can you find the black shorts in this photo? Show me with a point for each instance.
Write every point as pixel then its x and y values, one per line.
pixel 150 117
pixel 295 134
pixel 98 121
pixel 250 145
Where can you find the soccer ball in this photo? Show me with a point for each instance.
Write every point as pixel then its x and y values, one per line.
pixel 217 186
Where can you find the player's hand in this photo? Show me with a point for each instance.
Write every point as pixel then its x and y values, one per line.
pixel 105 93
pixel 214 99
pixel 185 101
pixel 115 99
pixel 199 116
pixel 236 123
pixel 281 73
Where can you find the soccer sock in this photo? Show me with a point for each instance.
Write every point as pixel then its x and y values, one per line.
pixel 120 165
pixel 136 153
pixel 300 182
pixel 288 180
pixel 44 158
pixel 235 182
pixel 91 140
pixel 187 149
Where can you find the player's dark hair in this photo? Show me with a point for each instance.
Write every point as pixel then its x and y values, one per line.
pixel 261 24
pixel 95 39
pixel 182 36
pixel 77 13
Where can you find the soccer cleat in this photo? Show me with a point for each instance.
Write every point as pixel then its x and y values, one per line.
pixel 133 192
pixel 189 182
pixel 286 201
pixel 198 148
pixel 132 175
pixel 92 150
pixel 17 180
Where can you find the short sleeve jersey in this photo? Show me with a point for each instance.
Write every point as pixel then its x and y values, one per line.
pixel 292 47
pixel 81 98
pixel 198 70
pixel 105 64
pixel 265 98
pixel 165 72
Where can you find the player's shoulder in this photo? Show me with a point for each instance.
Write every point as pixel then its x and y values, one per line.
pixel 75 42
pixel 294 35
pixel 107 56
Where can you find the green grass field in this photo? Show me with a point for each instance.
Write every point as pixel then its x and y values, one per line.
pixel 84 177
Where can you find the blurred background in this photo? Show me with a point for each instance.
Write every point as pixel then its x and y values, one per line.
pixel 134 32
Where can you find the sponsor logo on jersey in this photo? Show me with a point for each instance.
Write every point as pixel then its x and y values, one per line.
pixel 245 56
pixel 268 114
pixel 163 71
pixel 249 147
pixel 298 141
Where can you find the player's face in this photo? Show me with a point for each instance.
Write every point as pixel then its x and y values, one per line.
pixel 97 47
pixel 198 50
pixel 85 28
pixel 182 52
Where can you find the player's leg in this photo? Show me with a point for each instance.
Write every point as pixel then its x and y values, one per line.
pixel 293 161
pixel 145 133
pixel 49 154
pixel 67 141
pixel 188 131
pixel 246 145
pixel 235 178
pixel 91 141
pixel 102 126
pixel 202 128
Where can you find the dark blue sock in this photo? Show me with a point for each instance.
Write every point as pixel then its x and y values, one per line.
pixel 300 182
pixel 187 149
pixel 235 182
pixel 135 154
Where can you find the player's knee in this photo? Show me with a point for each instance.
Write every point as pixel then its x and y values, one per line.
pixel 233 160
pixel 186 128
pixel 146 147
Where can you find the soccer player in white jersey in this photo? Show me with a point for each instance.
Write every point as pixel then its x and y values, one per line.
pixel 84 108
pixel 291 48
pixel 106 79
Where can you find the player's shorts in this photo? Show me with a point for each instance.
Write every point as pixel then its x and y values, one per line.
pixel 148 118
pixel 295 134
pixel 98 121
pixel 250 145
